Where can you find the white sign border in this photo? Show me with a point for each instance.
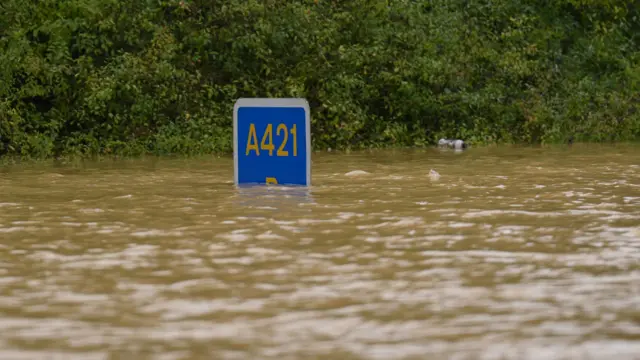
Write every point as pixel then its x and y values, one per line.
pixel 271 102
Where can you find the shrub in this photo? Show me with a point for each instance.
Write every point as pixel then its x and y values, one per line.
pixel 93 77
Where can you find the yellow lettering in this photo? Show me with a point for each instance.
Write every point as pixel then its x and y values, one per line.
pixel 267 140
pixel 268 134
pixel 272 180
pixel 281 151
pixel 295 140
pixel 254 137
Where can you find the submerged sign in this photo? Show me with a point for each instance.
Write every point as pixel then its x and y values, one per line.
pixel 272 141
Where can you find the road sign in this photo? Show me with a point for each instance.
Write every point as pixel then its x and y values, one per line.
pixel 272 141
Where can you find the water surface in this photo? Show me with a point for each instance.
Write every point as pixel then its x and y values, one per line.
pixel 514 253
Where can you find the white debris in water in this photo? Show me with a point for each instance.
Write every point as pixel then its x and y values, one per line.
pixel 456 144
pixel 433 175
pixel 356 173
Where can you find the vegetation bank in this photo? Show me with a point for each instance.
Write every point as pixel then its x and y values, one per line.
pixel 127 77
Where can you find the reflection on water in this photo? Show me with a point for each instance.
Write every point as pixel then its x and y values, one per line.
pixel 271 197
pixel 515 253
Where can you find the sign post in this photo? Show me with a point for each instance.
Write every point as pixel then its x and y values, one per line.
pixel 272 141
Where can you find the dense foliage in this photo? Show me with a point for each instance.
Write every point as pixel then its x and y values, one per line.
pixel 161 76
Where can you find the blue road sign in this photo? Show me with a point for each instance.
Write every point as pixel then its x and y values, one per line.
pixel 272 141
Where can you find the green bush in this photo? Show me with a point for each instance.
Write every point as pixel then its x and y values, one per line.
pixel 87 77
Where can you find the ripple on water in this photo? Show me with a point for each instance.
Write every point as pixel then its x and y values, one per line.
pixel 503 258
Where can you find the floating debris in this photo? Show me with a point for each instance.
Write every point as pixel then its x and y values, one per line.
pixel 433 175
pixel 452 143
pixel 356 173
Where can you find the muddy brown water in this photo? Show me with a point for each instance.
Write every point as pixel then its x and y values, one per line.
pixel 513 253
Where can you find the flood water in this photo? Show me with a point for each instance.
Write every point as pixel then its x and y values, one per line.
pixel 513 253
